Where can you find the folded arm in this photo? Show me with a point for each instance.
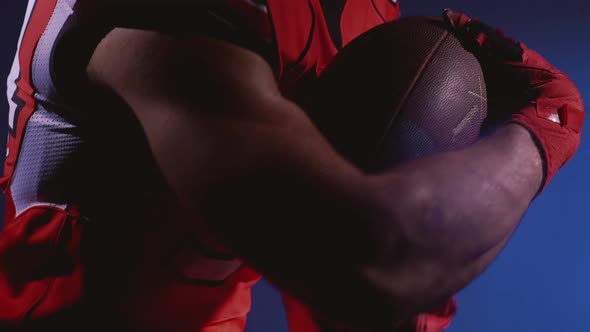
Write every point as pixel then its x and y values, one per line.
pixel 252 167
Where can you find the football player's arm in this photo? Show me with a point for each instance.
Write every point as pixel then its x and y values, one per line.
pixel 252 167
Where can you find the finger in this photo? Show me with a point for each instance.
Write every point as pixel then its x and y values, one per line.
pixel 494 43
pixel 455 20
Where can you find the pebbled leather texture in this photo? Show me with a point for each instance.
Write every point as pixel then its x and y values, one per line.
pixel 401 91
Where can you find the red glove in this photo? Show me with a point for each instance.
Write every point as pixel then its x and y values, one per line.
pixel 547 103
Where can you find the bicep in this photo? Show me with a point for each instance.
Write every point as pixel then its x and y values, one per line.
pixel 212 104
pixel 165 78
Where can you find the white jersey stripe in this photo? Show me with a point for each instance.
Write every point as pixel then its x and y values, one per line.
pixel 15 70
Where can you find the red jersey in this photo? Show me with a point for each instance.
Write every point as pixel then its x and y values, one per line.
pixel 92 238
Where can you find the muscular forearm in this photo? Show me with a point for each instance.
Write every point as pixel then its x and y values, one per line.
pixel 400 241
pixel 474 199
pixel 476 195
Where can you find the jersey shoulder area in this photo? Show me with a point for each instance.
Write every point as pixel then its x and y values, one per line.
pixel 243 22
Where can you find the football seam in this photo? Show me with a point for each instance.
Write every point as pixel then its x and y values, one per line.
pixel 404 99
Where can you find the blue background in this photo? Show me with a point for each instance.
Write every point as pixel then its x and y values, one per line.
pixel 541 280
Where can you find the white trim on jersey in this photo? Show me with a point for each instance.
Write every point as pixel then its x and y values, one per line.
pixel 259 5
pixel 194 265
pixel 15 70
pixel 62 207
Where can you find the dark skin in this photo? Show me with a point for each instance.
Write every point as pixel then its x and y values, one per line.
pixel 250 165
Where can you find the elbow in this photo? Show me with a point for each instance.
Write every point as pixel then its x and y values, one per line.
pixel 403 270
pixel 412 216
pixel 419 262
pixel 411 288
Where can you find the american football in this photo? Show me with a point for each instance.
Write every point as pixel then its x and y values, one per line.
pixel 406 90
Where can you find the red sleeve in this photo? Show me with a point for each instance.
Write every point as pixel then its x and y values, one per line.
pixel 438 319
pixel 375 12
pixel 299 317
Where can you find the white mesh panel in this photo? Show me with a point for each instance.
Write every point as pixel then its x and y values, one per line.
pixel 42 175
